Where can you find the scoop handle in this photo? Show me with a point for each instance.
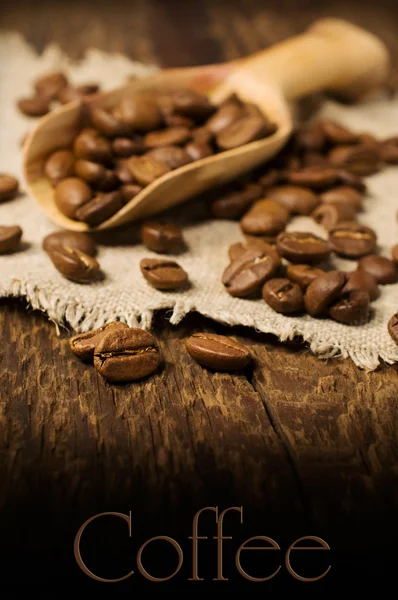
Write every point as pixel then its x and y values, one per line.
pixel 332 55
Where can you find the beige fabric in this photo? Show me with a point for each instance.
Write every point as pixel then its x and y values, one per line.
pixel 124 294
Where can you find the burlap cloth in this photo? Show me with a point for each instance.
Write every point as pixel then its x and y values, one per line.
pixel 124 294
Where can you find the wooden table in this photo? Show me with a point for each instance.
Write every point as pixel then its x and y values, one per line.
pixel 305 446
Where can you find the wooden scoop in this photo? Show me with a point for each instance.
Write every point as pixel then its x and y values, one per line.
pixel 333 55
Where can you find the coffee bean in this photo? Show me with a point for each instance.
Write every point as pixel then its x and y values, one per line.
pixel 314 159
pixel 329 215
pixel 60 165
pixel 298 200
pixel 83 344
pixel 129 191
pixel 106 123
pixel 126 147
pixel 178 121
pixel 70 194
pixel 243 131
pixel 100 208
pixel 73 239
pixel 198 150
pixel 265 217
pixel 310 138
pixel 37 106
pixel 8 187
pixel 393 327
pixel 141 112
pixel 303 274
pixel 389 152
pixel 162 237
pixel 90 145
pixel 202 135
pixel 361 281
pixel 10 236
pixel 167 137
pixel 367 138
pixel 352 308
pixel 343 194
pixel 51 84
pixel 172 156
pixel 239 248
pixel 302 247
pixel 189 103
pixel 224 116
pixel 394 253
pixel 146 169
pixel 322 292
pixel 123 172
pixel 233 205
pixel 353 181
pixel 163 274
pixel 337 134
pixel 361 160
pixel 217 352
pixel 93 173
pixel 267 239
pixel 71 94
pixel 270 178
pixel 246 275
pixel 352 240
pixel 124 355
pixel 283 296
pixel 383 269
pixel 316 178
pixel 75 265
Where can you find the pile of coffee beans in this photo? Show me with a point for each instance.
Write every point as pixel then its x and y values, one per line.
pixel 122 354
pixel 119 152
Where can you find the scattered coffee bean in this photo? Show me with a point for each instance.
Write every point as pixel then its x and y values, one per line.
pixel 10 237
pixel 70 194
pixel 234 204
pixel 283 296
pixel 8 187
pixel 124 355
pixel 303 274
pixel 71 94
pixel 302 247
pixel 316 178
pixel 83 344
pixel 343 194
pixel 329 215
pixel 163 274
pixel 243 131
pixel 298 200
pixel 322 292
pixel 90 145
pixel 389 151
pixel 361 281
pixel 239 248
pixel 167 137
pixel 393 327
pixel 265 217
pixel 100 208
pixel 51 84
pixel 337 134
pixel 198 150
pixel 217 352
pixel 60 165
pixel 146 168
pixel 352 240
pixel 361 160
pixel 247 273
pixel 162 237
pixel 383 269
pixel 172 156
pixel 352 308
pixel 75 265
pixel 37 106
pixel 73 239
pixel 394 253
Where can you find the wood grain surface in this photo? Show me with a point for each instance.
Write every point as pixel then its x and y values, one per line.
pixel 306 446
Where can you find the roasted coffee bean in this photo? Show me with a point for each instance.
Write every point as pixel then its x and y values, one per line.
pixel 90 145
pixel 106 123
pixel 163 274
pixel 202 135
pixel 337 134
pixel 124 355
pixel 172 156
pixel 141 112
pixel 10 236
pixel 352 240
pixel 96 175
pixel 329 215
pixel 270 178
pixel 37 106
pixel 394 253
pixel 233 205
pixel 100 208
pixel 242 131
pixel 303 274
pixel 283 296
pixel 310 138
pixel 298 200
pixel 265 217
pixel 75 265
pixel 123 172
pixel 162 237
pixel 126 147
pixel 389 151
pixel 83 344
pixel 189 103
pixel 322 292
pixel 167 137
pixel 352 308
pixel 393 327
pixel 302 247
pixel 224 116
pixel 198 150
pixel 316 178
pixel 383 269
pixel 239 248
pixel 361 159
pixel 267 239
pixel 51 84
pixel 178 121
pixel 217 352
pixel 314 159
pixel 361 281
pixel 73 239
pixel 70 194
pixel 353 181
pixel 129 191
pixel 71 94
pixel 367 138
pixel 146 168
pixel 344 195
pixel 8 187
pixel 60 165
pixel 246 275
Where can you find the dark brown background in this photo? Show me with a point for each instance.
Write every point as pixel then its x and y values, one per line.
pixel 306 447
